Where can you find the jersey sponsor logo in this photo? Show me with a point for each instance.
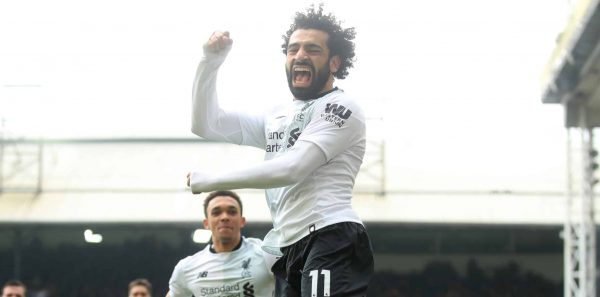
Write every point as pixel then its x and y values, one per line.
pixel 202 274
pixel 246 268
pixel 274 136
pixel 336 114
pixel 272 148
pixel 339 110
pixel 224 290
pixel 294 134
pixel 248 290
pixel 277 135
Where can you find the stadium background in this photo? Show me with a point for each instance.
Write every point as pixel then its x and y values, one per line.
pixel 463 185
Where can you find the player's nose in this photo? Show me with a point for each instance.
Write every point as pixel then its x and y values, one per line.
pixel 301 54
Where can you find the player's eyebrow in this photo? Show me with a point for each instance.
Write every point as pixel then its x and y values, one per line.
pixel 307 45
pixel 222 208
pixel 313 46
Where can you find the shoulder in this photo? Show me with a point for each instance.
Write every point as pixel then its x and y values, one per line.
pixel 277 109
pixel 257 251
pixel 191 261
pixel 339 109
pixel 339 101
pixel 340 96
pixel 253 243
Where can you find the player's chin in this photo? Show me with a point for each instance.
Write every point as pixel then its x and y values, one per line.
pixel 226 238
pixel 225 231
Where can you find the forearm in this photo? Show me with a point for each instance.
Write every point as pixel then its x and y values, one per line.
pixel 269 174
pixel 208 119
pixel 205 105
pixel 290 168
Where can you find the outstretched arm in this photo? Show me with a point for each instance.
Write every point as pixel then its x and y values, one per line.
pixel 208 119
pixel 290 168
pixel 177 283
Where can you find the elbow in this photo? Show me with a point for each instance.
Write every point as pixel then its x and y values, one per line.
pixel 200 130
pixel 197 131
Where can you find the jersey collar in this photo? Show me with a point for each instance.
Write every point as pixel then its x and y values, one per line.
pixel 237 247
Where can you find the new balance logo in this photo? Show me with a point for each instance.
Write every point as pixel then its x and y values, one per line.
pixel 203 274
pixel 248 290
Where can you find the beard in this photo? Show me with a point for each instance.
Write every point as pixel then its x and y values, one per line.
pixel 319 80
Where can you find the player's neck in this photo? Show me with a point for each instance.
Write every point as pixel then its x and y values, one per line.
pixel 328 87
pixel 223 247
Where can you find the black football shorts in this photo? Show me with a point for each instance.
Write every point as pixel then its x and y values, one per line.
pixel 336 260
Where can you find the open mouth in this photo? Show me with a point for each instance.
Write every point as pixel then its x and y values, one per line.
pixel 302 76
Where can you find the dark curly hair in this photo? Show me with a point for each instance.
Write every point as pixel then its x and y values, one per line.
pixel 340 40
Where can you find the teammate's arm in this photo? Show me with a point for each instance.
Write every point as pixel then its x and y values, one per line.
pixel 289 168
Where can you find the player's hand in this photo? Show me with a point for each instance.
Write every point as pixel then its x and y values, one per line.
pixel 218 42
pixel 198 181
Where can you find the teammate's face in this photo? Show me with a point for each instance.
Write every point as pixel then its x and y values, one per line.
pixel 224 219
pixel 139 291
pixel 308 66
pixel 13 291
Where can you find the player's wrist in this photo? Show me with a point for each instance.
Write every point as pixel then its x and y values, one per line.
pixel 199 182
pixel 212 55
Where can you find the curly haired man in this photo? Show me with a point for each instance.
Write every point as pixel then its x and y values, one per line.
pixel 314 146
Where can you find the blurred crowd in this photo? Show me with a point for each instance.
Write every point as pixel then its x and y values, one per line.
pixel 101 271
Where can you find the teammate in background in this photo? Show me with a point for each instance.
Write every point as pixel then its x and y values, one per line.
pixel 314 147
pixel 231 265
pixel 140 287
pixel 14 288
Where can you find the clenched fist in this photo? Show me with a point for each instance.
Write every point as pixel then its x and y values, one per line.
pixel 218 42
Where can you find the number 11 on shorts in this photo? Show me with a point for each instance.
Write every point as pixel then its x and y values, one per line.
pixel 314 275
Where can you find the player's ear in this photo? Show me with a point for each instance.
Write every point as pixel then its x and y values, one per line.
pixel 334 63
pixel 205 222
pixel 242 222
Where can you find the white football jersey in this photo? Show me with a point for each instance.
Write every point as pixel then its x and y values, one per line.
pixel 335 124
pixel 241 273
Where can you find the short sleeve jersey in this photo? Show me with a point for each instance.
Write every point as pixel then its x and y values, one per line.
pixel 240 273
pixel 336 125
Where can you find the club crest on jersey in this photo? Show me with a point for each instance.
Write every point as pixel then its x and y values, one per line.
pixel 336 114
pixel 246 268
pixel 299 117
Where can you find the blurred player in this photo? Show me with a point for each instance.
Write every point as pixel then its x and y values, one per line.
pixel 231 265
pixel 140 287
pixel 314 147
pixel 14 288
